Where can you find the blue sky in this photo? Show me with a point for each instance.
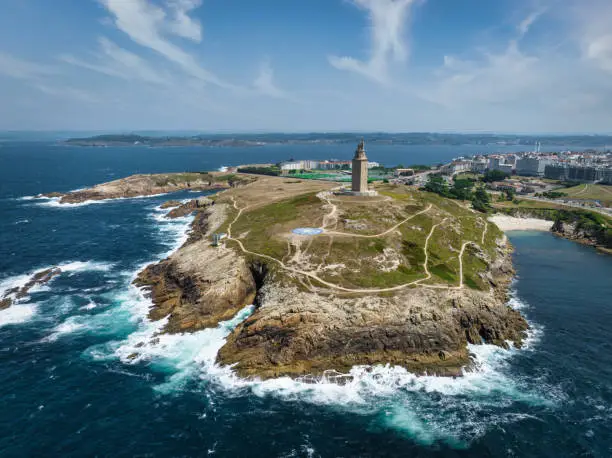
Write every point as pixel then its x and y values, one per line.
pixel 306 65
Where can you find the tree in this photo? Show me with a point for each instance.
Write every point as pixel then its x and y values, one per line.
pixel 481 200
pixel 510 194
pixel 462 189
pixel 494 175
pixel 437 184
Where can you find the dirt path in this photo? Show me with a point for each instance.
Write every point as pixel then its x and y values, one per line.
pixel 312 276
pixel 375 236
pixel 484 232
pixel 582 191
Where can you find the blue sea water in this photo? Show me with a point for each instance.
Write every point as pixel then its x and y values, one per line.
pixel 70 386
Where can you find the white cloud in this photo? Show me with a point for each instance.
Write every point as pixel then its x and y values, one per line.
pixel 23 69
pixel 492 79
pixel 40 77
pixel 599 49
pixel 65 91
pixel 388 19
pixel 118 62
pixel 525 24
pixel 147 25
pixel 264 83
pixel 181 24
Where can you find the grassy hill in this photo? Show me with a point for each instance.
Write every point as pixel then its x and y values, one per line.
pixel 402 238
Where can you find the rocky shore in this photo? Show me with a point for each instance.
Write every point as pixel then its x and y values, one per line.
pixel 425 330
pixel 149 185
pixel 12 295
pixel 296 332
pixel 199 285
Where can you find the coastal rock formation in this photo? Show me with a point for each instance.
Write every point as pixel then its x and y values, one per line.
pixel 199 285
pixel 425 330
pixel 170 204
pixel 148 185
pixel 180 210
pixel 333 301
pixel 39 278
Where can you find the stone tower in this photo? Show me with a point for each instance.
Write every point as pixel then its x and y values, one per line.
pixel 360 170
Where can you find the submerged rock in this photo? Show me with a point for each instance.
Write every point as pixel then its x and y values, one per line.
pixel 39 278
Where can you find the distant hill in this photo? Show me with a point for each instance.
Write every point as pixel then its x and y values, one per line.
pixel 598 141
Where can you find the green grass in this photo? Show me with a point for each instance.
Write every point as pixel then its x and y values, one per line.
pixel 444 272
pixel 178 178
pixel 268 230
pixel 602 193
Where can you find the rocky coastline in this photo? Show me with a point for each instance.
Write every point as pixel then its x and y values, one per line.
pixel 13 295
pixel 304 328
pixel 150 185
pixel 296 333
pixel 424 330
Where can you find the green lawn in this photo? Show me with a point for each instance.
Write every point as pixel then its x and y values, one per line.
pixel 600 192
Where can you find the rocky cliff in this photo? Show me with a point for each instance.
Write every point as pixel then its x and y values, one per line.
pixel 305 321
pixel 425 330
pixel 199 285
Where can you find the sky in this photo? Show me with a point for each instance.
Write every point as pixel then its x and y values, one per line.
pixel 523 66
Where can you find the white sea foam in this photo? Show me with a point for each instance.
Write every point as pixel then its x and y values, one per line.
pixel 83 266
pixel 16 314
pixel 16 281
pixel 22 221
pixel 54 202
pixel 70 326
pixel 428 408
pixel 89 306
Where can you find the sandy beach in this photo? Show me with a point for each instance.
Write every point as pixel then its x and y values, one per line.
pixel 511 223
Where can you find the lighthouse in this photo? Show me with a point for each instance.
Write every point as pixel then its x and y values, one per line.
pixel 359 182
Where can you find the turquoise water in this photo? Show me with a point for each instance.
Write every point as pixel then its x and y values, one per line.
pixel 68 387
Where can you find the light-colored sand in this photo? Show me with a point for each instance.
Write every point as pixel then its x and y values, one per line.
pixel 510 223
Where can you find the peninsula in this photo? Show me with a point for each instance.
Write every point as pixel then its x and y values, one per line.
pixel 385 275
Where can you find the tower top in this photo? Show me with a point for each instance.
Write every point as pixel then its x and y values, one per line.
pixel 360 152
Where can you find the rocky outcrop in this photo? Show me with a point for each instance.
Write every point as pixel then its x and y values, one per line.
pixel 199 285
pixel 39 278
pixel 181 210
pixel 425 330
pixel 170 204
pixel 149 185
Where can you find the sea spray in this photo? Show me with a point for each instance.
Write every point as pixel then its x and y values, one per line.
pixel 17 314
pixel 427 408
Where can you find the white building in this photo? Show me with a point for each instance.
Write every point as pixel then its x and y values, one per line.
pixel 372 164
pixel 292 165
pixel 531 166
pixel 480 165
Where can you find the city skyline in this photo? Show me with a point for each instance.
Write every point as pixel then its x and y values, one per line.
pixel 524 67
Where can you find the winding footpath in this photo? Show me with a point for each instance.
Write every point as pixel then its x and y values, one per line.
pixel 312 276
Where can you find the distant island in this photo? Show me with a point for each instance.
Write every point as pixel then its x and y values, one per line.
pixel 242 140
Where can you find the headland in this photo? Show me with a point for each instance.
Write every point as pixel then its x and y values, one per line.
pixel 405 277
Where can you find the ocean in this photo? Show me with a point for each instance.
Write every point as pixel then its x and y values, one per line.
pixel 70 386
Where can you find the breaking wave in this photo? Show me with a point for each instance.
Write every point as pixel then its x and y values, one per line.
pixel 17 314
pixel 427 408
